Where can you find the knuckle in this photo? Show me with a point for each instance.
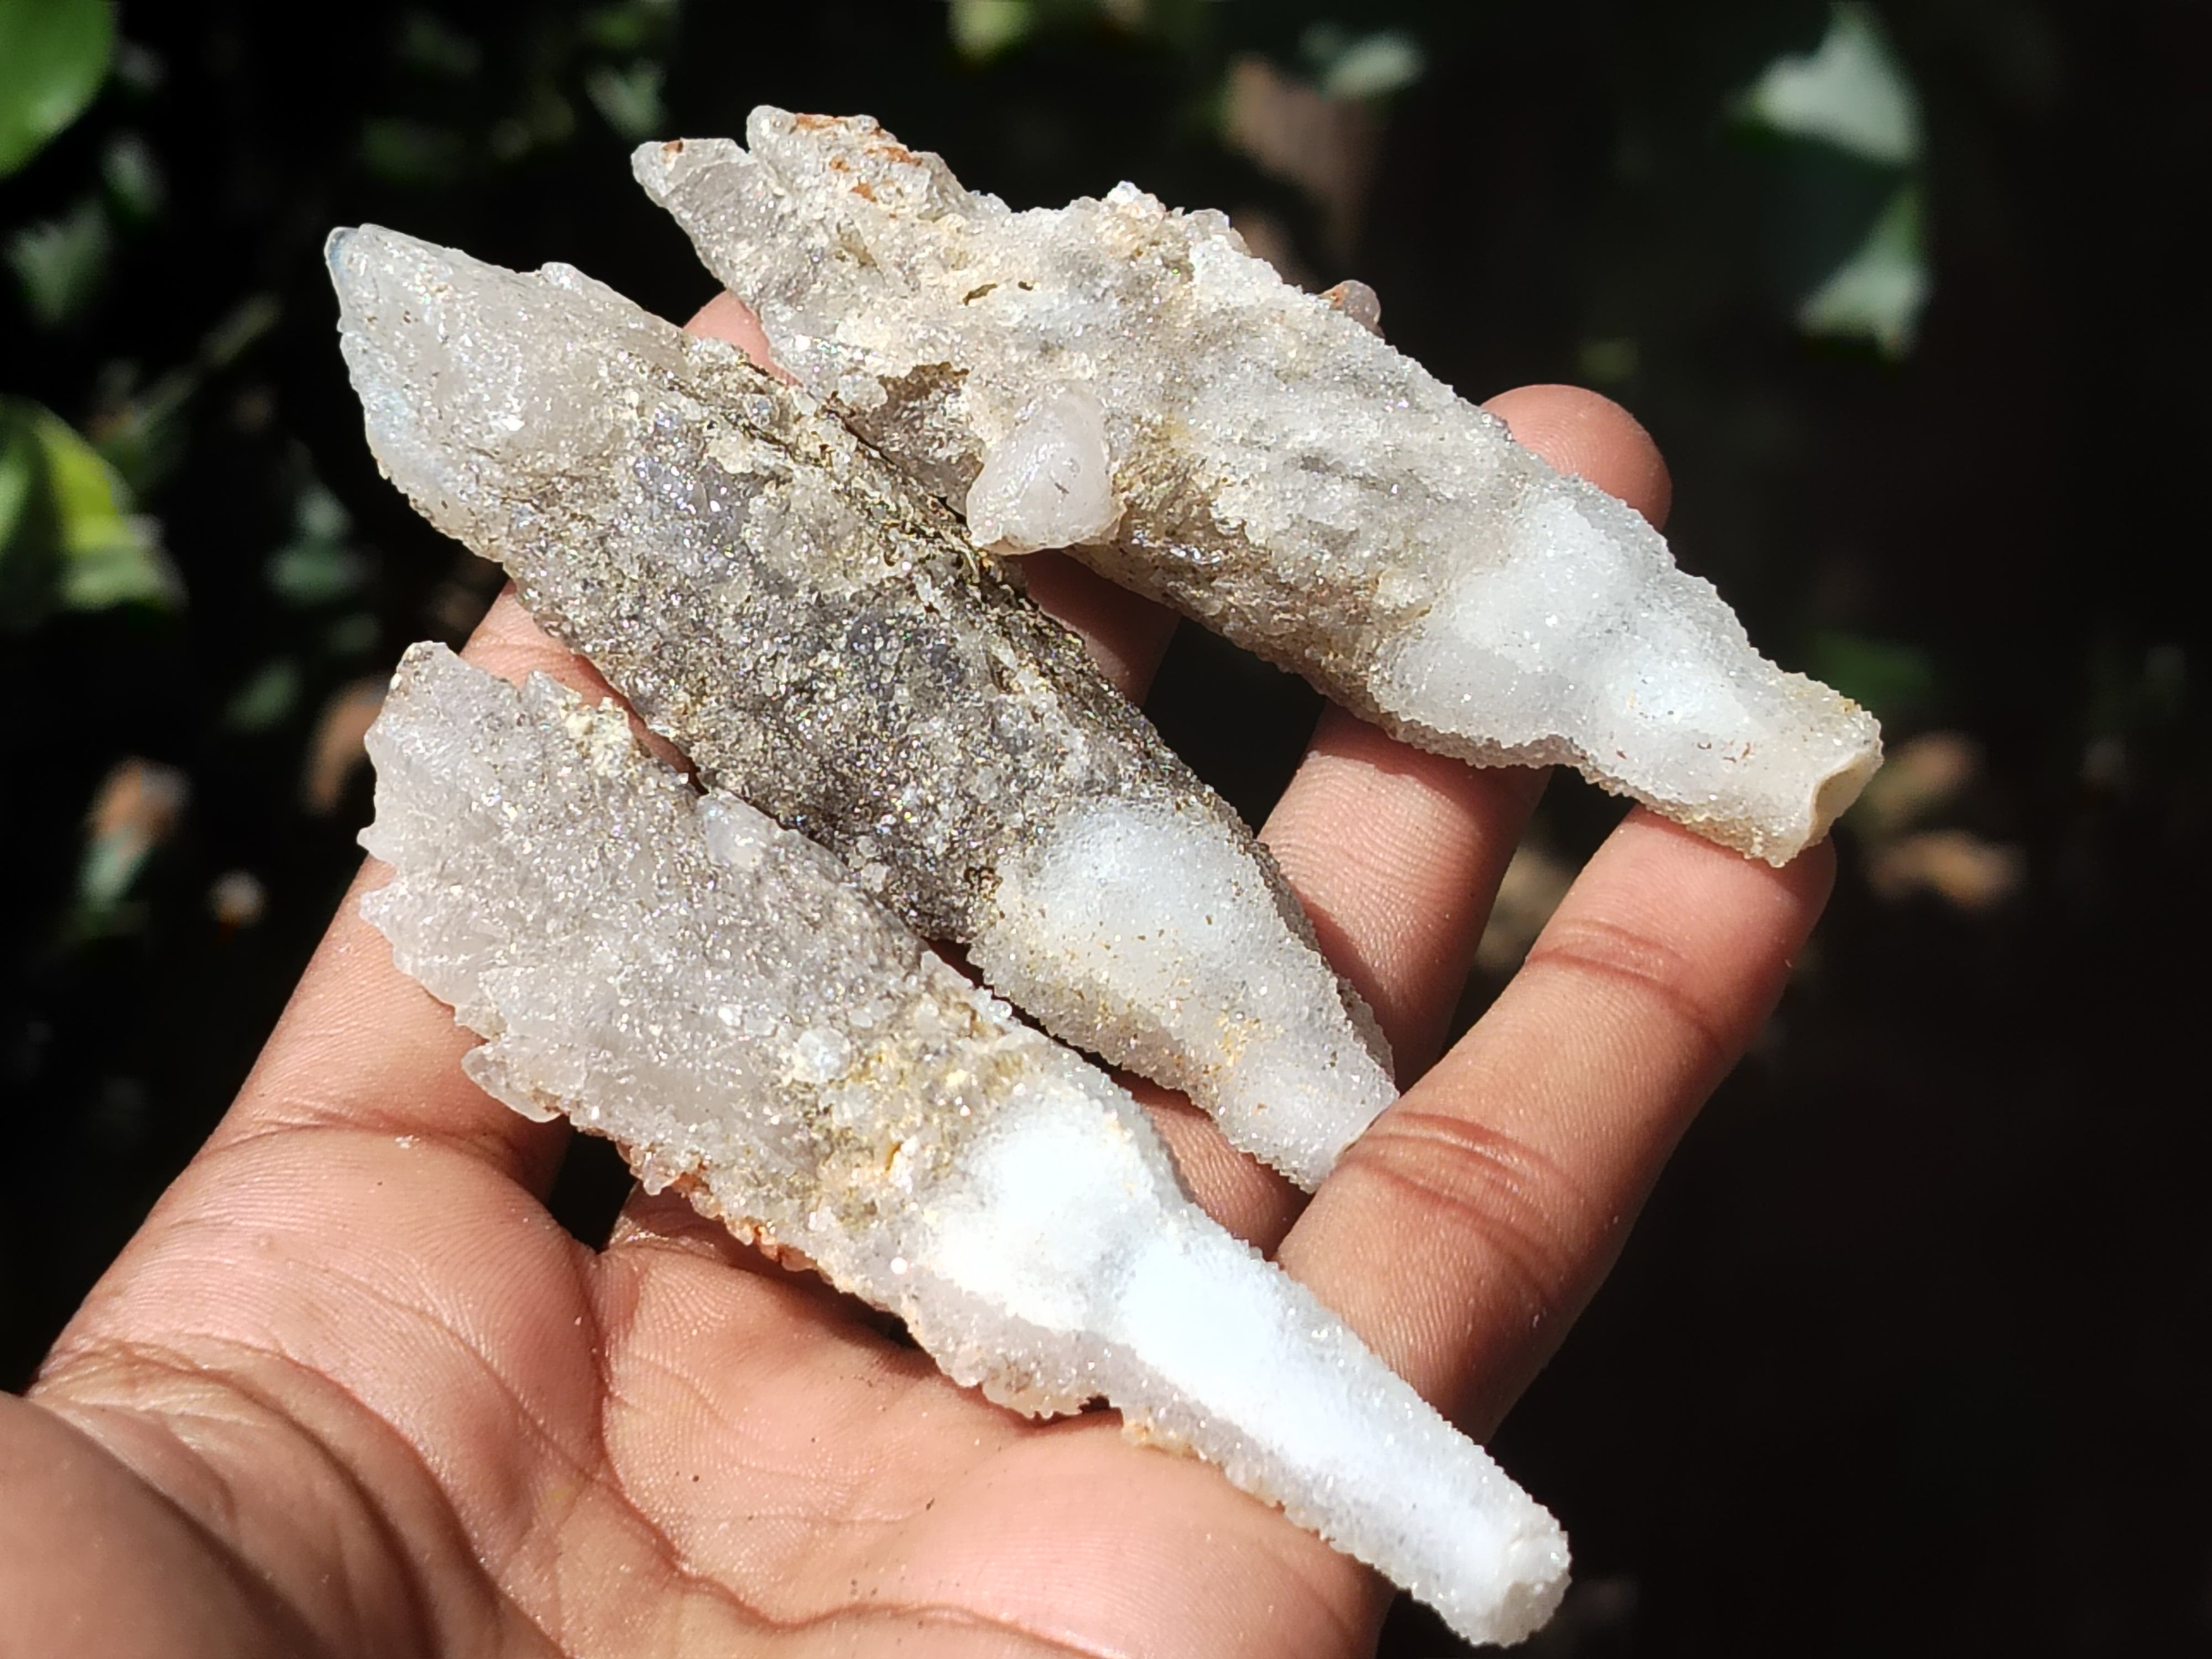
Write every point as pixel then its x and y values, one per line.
pixel 1652 976
pixel 1478 1190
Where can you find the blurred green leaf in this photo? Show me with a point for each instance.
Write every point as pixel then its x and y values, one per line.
pixel 546 120
pixel 428 42
pixel 60 263
pixel 110 555
pixel 264 700
pixel 1851 91
pixel 1886 676
pixel 1369 66
pixel 983 29
pixel 117 561
pixel 320 516
pixel 53 55
pixel 133 177
pixel 1608 362
pixel 629 99
pixel 311 573
pixel 19 477
pixel 316 567
pixel 410 152
pixel 68 537
pixel 1879 292
pixel 629 27
pixel 138 68
pixel 352 636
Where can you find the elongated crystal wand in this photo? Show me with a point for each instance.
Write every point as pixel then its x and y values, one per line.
pixel 709 990
pixel 1131 383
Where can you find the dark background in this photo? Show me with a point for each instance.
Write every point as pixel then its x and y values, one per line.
pixel 1907 1355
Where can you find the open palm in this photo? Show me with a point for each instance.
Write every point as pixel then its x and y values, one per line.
pixel 353 1391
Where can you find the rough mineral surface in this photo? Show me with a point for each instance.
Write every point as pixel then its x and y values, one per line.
pixel 820 638
pixel 709 989
pixel 1277 471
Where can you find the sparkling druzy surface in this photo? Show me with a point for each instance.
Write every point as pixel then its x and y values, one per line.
pixel 819 636
pixel 709 989
pixel 1260 459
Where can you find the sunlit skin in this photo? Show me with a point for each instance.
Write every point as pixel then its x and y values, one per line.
pixel 352 1391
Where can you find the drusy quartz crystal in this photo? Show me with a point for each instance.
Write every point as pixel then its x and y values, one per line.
pixel 820 637
pixel 709 990
pixel 1130 381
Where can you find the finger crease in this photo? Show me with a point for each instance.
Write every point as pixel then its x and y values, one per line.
pixel 1651 971
pixel 1490 1185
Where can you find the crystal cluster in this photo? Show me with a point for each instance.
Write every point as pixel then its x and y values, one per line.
pixel 819 637
pixel 1130 382
pixel 709 989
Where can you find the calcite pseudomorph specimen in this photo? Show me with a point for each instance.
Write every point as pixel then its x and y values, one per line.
pixel 1260 459
pixel 680 974
pixel 819 637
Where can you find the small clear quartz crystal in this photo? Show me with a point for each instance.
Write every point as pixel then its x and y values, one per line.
pixel 1282 474
pixel 819 636
pixel 709 990
pixel 1049 482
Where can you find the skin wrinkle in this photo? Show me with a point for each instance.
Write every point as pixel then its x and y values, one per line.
pixel 577 1464
pixel 252 1587
pixel 569 1461
pixel 270 1416
pixel 1525 1209
pixel 1648 968
pixel 474 1147
pixel 683 1557
pixel 380 1520
pixel 839 1513
pixel 256 1150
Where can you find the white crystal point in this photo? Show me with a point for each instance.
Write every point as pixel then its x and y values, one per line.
pixel 817 635
pixel 707 989
pixel 1187 959
pixel 1048 482
pixel 1286 477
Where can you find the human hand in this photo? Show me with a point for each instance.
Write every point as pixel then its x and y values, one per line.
pixel 351 1390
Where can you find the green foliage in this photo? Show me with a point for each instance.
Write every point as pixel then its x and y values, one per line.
pixel 136 188
pixel 1895 680
pixel 68 539
pixel 983 29
pixel 1877 294
pixel 53 55
pixel 60 263
pixel 1852 92
pixel 414 153
pixel 427 42
pixel 1852 98
pixel 1348 66
pixel 317 567
pixel 629 97
pixel 266 699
